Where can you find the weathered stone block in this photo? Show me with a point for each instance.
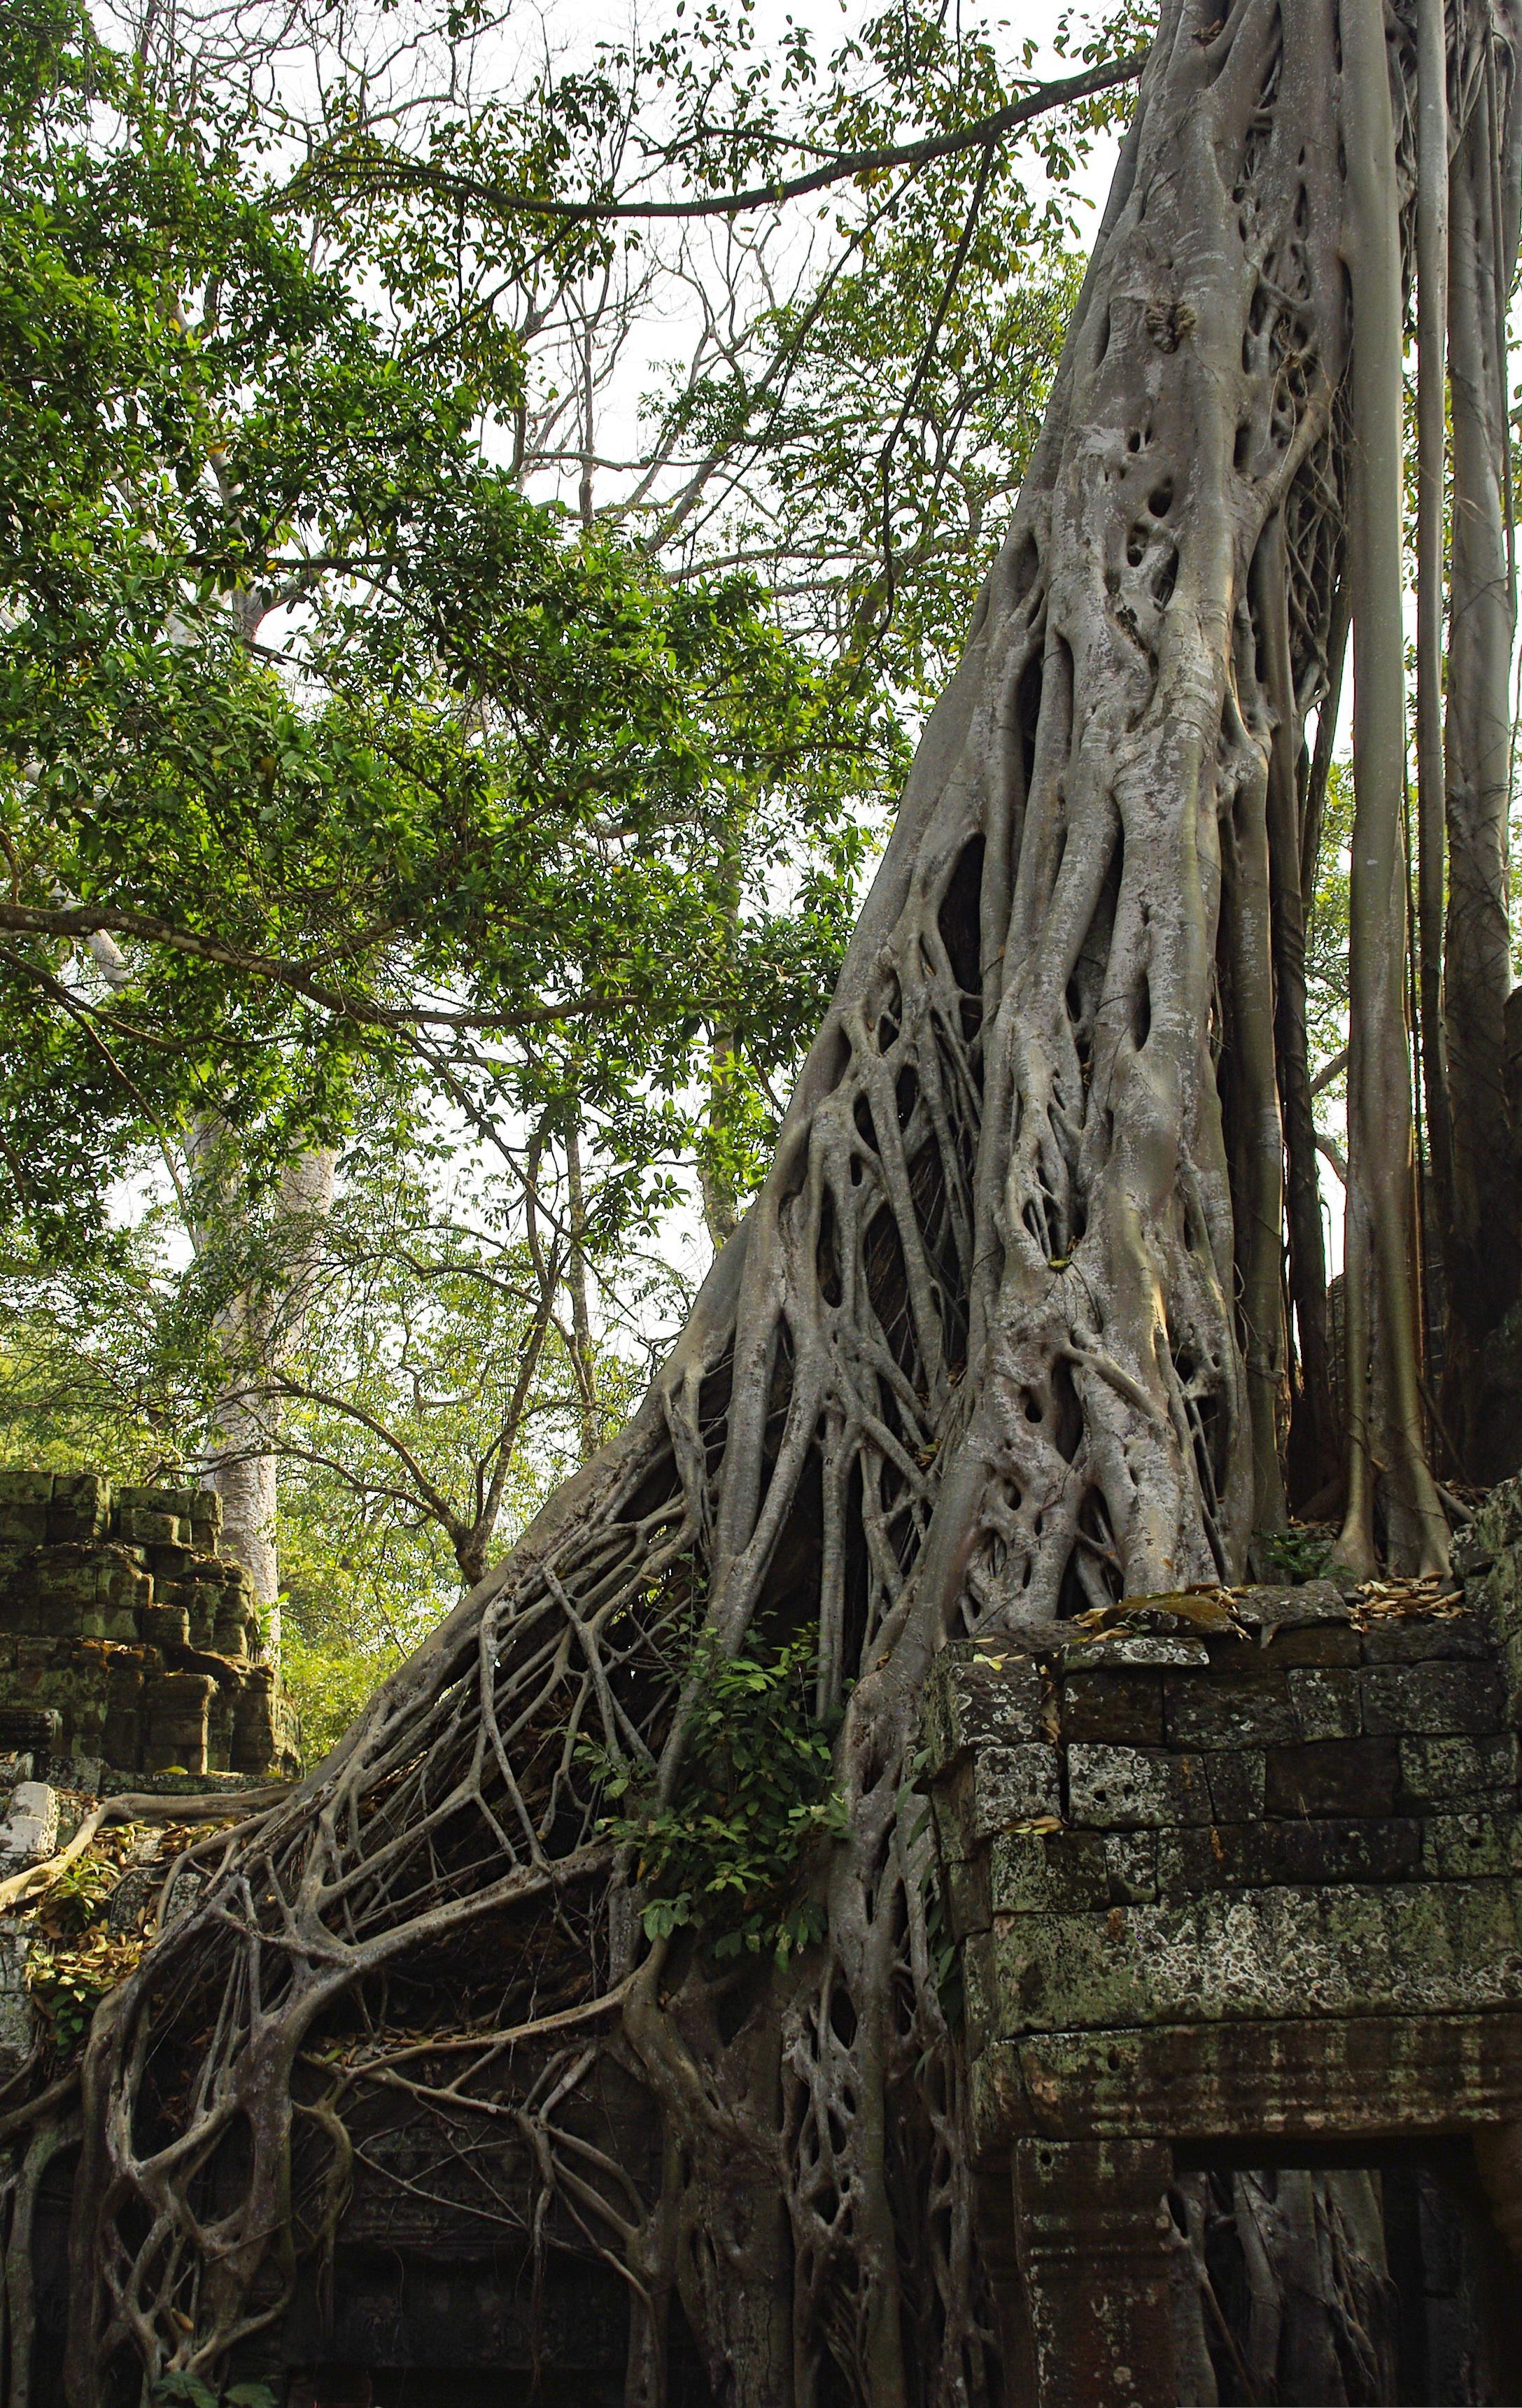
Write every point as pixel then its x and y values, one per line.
pixel 179 1502
pixel 1322 1643
pixel 1235 1779
pixel 1433 1770
pixel 1460 1848
pixel 141 1527
pixel 1130 1864
pixel 1135 1788
pixel 1426 1639
pixel 1333 1777
pixel 123 1578
pixel 971 1697
pixel 1249 1709
pixel 230 1636
pixel 981 2001
pixel 1328 1704
pixel 1142 1650
pixel 79 1514
pixel 966 1893
pixel 170 1563
pixel 1123 1707
pixel 25 1499
pixel 205 1520
pixel 15 1999
pixel 1448 1947
pixel 165 1625
pixel 219 1731
pixel 30 1830
pixel 1266 1855
pixel 177 1707
pixel 1438 1696
pixel 989 1790
pixel 202 1601
pixel 1290 1607
pixel 1050 1872
pixel 29 1728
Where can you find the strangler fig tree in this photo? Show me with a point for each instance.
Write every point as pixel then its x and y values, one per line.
pixel 1011 1331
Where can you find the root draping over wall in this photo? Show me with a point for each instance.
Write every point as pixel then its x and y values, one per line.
pixel 1004 1336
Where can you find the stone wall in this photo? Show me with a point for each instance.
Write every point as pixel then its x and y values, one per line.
pixel 127 1639
pixel 1234 1880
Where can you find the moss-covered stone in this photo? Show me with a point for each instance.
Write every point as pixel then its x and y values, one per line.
pixel 1407 1949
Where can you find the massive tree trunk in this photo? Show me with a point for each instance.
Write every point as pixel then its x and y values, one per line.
pixel 1003 1337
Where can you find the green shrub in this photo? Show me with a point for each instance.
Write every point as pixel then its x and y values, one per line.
pixel 724 1855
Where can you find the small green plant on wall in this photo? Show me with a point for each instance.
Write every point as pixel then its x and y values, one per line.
pixel 723 1855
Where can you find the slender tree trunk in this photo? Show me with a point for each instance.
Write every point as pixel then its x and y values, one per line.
pixel 1431 443
pixel 258 1327
pixel 576 1280
pixel 1386 1421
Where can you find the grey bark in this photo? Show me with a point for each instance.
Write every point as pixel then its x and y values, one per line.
pixel 258 1327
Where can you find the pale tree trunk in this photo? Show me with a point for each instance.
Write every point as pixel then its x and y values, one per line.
pixel 1002 1338
pixel 720 1204
pixel 258 1327
pixel 584 1361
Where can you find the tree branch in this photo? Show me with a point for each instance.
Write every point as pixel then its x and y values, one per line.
pixel 400 174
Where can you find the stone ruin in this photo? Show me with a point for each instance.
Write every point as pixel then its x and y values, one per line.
pixel 1242 1893
pixel 129 1643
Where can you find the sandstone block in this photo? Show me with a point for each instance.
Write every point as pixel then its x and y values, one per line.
pixel 1141 1649
pixel 25 1499
pixel 1333 1777
pixel 29 1728
pixel 79 1512
pixel 165 1625
pixel 177 1706
pixel 1460 1848
pixel 1266 1855
pixel 1047 1872
pixel 15 1999
pixel 1247 1710
pixel 230 1636
pixel 179 1502
pixel 1433 1697
pixel 1130 1864
pixel 1235 1778
pixel 141 1526
pixel 1327 1644
pixel 965 1892
pixel 1424 1948
pixel 255 1741
pixel 1124 1708
pixel 1328 1704
pixel 1436 1769
pixel 971 1698
pixel 1427 1639
pixel 1135 1788
pixel 1271 1607
pixel 994 1786
pixel 29 1833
